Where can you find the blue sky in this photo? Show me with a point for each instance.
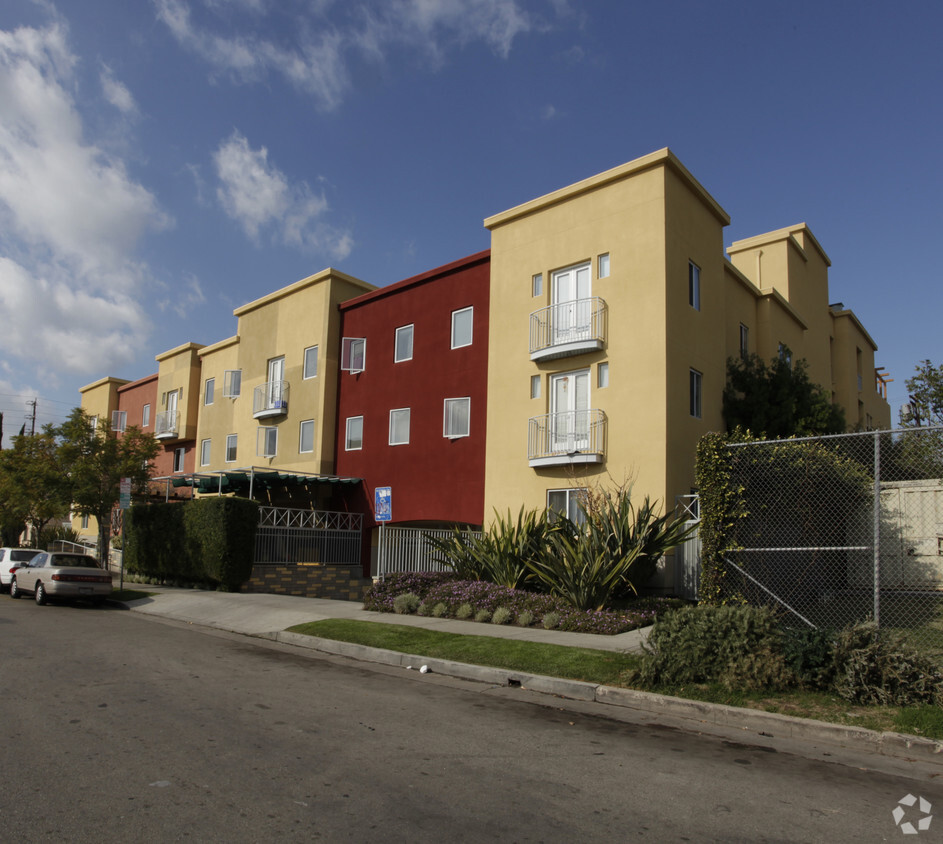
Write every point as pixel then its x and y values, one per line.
pixel 164 161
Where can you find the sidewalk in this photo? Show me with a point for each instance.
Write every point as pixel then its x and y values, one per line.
pixel 269 616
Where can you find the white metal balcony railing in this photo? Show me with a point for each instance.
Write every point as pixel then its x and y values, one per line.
pixel 270 399
pixel 574 436
pixel 166 424
pixel 568 328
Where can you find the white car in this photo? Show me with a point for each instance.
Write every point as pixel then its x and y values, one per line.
pixel 61 574
pixel 10 559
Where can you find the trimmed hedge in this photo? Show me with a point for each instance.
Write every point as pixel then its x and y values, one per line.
pixel 207 540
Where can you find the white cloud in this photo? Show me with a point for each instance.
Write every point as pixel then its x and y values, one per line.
pixel 116 92
pixel 257 195
pixel 317 57
pixel 71 217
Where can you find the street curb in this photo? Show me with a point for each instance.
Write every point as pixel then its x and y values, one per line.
pixel 768 724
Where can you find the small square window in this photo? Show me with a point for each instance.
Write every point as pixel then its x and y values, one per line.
pixel 208 390
pixel 232 441
pixel 462 328
pixel 354 439
pixel 266 443
pixel 602 375
pixel 566 502
pixel 694 285
pixel 456 421
pixel 311 363
pixel 695 393
pixel 537 285
pixel 399 426
pixel 306 437
pixel 205 452
pixel 403 345
pixel 119 420
pixel 353 354
pixel 535 386
pixel 603 266
pixel 232 383
pixel 146 416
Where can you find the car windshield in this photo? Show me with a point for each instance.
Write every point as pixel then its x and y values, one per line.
pixel 22 556
pixel 75 561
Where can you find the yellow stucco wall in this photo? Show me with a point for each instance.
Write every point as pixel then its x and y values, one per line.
pixel 179 369
pixel 281 324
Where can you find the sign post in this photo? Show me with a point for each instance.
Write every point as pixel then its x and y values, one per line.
pixel 124 503
pixel 383 512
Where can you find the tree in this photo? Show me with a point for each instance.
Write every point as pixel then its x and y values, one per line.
pixel 926 397
pixel 94 459
pixel 778 399
pixel 31 485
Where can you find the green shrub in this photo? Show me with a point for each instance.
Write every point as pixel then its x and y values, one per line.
pixel 156 544
pixel 551 620
pixel 525 618
pixel 736 646
pixel 221 534
pixel 502 615
pixel 810 655
pixel 464 611
pixel 406 604
pixel 424 608
pixel 440 610
pixel 484 616
pixel 874 667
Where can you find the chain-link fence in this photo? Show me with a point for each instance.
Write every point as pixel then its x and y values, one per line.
pixel 841 529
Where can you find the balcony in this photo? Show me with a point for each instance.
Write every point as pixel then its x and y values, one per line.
pixel 568 328
pixel 167 425
pixel 270 399
pixel 562 439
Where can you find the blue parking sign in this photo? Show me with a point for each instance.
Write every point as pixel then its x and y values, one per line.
pixel 383 503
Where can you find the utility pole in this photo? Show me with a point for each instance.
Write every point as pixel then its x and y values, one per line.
pixel 32 417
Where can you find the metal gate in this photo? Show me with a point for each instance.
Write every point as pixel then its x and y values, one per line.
pixel 288 535
pixel 402 549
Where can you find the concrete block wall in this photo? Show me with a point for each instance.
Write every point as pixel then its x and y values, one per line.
pixel 310 580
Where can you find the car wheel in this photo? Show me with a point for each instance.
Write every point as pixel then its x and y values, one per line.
pixel 14 589
pixel 40 594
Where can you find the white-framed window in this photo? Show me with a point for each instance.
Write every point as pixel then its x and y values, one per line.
pixel 353 354
pixel 399 426
pixel 93 420
pixel 535 386
pixel 205 452
pixel 602 375
pixel 146 416
pixel 232 383
pixel 209 389
pixel 266 441
pixel 179 454
pixel 311 363
pixel 403 345
pixel 744 341
pixel 354 437
pixel 462 327
pixel 537 285
pixel 456 418
pixel 694 285
pixel 119 420
pixel 85 521
pixel 232 443
pixel 306 436
pixel 602 266
pixel 695 392
pixel 566 502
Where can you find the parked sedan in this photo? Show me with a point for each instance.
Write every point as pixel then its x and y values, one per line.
pixel 61 574
pixel 10 560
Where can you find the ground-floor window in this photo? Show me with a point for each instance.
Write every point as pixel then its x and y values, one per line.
pixel 566 503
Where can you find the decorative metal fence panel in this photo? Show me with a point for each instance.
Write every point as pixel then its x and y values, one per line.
pixel 409 550
pixel 842 529
pixel 288 535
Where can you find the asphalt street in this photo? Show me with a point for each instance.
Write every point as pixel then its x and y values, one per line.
pixel 120 727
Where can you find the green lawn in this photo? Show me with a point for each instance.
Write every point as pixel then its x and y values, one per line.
pixel 612 669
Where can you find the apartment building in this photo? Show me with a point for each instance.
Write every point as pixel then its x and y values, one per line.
pixel 587 347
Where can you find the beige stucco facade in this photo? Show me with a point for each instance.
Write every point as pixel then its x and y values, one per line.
pixel 273 335
pixel 647 239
